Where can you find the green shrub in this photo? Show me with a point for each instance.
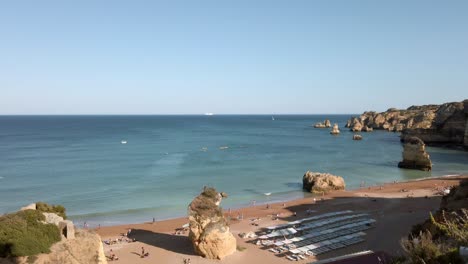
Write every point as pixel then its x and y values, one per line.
pixel 47 208
pixel 23 234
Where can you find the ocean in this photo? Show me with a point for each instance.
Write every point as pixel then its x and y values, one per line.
pixel 82 162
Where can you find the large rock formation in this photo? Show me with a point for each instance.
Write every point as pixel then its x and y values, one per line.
pixel 325 124
pixel 75 246
pixel 85 248
pixel 209 231
pixel 335 130
pixel 415 155
pixel 445 124
pixel 317 182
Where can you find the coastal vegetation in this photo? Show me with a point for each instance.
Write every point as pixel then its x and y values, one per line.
pixel 24 234
pixel 47 208
pixel 439 239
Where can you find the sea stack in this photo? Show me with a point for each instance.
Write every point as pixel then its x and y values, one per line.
pixel 357 137
pixel 316 182
pixel 209 230
pixel 415 155
pixel 326 123
pixel 335 130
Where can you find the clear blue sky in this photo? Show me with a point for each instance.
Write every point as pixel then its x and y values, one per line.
pixel 149 57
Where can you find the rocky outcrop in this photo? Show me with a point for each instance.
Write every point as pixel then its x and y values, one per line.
pixel 209 231
pixel 445 124
pixel 75 247
pixel 335 130
pixel 367 129
pixel 325 124
pixel 357 137
pixel 317 182
pixel 29 207
pixel 415 155
pixel 85 248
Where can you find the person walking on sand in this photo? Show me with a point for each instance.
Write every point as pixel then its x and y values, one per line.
pixel 142 252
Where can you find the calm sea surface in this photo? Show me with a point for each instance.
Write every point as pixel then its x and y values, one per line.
pixel 80 161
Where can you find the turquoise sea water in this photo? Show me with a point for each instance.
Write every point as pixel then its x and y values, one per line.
pixel 80 162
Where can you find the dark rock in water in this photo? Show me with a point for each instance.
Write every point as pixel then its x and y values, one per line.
pixel 415 155
pixel 357 137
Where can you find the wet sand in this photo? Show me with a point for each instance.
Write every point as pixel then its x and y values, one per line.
pixel 396 211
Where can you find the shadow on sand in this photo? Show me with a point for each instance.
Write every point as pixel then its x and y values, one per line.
pixel 174 243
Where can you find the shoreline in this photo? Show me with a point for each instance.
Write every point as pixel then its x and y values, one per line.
pixel 395 206
pixel 330 195
pixel 275 201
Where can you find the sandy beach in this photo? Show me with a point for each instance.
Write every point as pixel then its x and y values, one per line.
pixel 396 207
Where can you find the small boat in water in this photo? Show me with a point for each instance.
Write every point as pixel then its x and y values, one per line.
pixel 209 114
pixel 272 118
pixel 267 194
pixel 123 142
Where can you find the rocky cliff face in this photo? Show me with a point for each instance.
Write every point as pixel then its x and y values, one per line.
pixel 85 248
pixel 76 246
pixel 209 231
pixel 434 124
pixel 317 182
pixel 415 155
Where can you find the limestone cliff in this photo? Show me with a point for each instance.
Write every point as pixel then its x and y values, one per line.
pixel 209 231
pixel 445 124
pixel 415 155
pixel 317 182
pixel 85 248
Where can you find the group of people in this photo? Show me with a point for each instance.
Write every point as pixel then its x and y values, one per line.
pixel 187 261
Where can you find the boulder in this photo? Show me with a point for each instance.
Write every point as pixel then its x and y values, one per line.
pixel 317 182
pixel 335 130
pixel 357 137
pixel 367 129
pixel 415 155
pixel 67 229
pixel 51 218
pixel 29 207
pixel 327 123
pixel 209 230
